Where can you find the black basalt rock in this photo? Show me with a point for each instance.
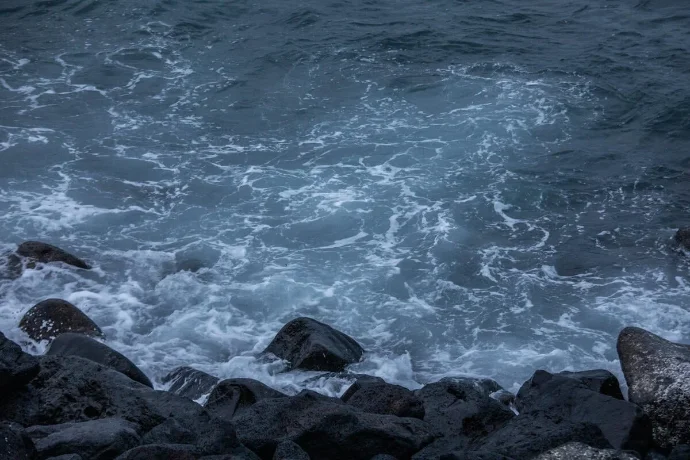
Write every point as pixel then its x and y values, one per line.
pixel 308 344
pixel 71 344
pixel 52 317
pixel 190 383
pixel 16 367
pixel 288 450
pixel 161 452
pixel 36 251
pixel 577 397
pixel 327 428
pixel 232 396
pixel 375 397
pixel 15 443
pixel 657 372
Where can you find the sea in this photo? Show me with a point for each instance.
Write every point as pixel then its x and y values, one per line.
pixel 466 188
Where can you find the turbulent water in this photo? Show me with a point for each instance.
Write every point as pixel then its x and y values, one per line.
pixel 466 188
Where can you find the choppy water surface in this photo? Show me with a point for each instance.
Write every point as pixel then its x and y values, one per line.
pixel 479 188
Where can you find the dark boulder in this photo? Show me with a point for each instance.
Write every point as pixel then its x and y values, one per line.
pixel 161 452
pixel 384 398
pixel 66 457
pixel 308 344
pixel 169 432
pixel 189 382
pixel 72 389
pixel 38 252
pixel 15 443
pixel 529 435
pixel 657 374
pixel 580 451
pixel 52 317
pixel 230 397
pixel 102 439
pixel 326 428
pixel 571 397
pixel 598 380
pixel 682 238
pixel 288 450
pixel 463 408
pixel 71 344
pixel 16 367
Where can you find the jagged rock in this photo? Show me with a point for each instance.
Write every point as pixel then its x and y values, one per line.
pixel 72 389
pixel 371 396
pixel 505 397
pixel 462 408
pixel 232 396
pixel 657 374
pixel 308 344
pixel 598 380
pixel 16 367
pixel 571 397
pixel 288 450
pixel 71 344
pixel 682 238
pixel 15 443
pixel 529 435
pixel 169 432
pixel 101 439
pixel 190 383
pixel 52 317
pixel 45 253
pixel 580 451
pixel 327 428
pixel 161 452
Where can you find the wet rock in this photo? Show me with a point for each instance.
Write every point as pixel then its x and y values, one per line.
pixel 598 380
pixel 505 397
pixel 288 450
pixel 169 432
pixel 66 457
pixel 73 389
pixel 465 455
pixel 15 443
pixel 580 451
pixel 95 439
pixel 462 408
pixel 657 374
pixel 308 344
pixel 71 344
pixel 232 396
pixel 16 367
pixel 529 435
pixel 52 317
pixel 161 452
pixel 384 398
pixel 190 383
pixel 682 238
pixel 45 253
pixel 680 452
pixel 571 397
pixel 326 428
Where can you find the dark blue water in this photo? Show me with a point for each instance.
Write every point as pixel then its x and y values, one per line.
pixel 478 188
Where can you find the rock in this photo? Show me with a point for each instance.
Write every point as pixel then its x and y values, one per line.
pixel 505 397
pixel 11 266
pixel 15 443
pixel 161 452
pixel 96 439
pixel 580 451
pixel 680 452
pixel 529 435
pixel 657 374
pixel 66 457
pixel 384 398
pixel 73 389
pixel 50 318
pixel 16 367
pixel 288 450
pixel 383 457
pixel 308 344
pixel 169 432
pixel 599 380
pixel 462 408
pixel 571 397
pixel 190 383
pixel 682 238
pixel 232 396
pixel 45 253
pixel 326 428
pixel 71 344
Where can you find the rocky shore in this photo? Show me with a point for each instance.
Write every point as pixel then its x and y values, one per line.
pixel 84 400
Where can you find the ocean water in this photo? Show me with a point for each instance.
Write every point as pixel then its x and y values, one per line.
pixel 466 188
